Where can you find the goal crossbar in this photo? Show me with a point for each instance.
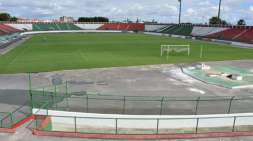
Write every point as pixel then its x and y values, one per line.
pixel 176 48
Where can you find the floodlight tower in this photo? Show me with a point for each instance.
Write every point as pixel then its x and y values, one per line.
pixel 219 9
pixel 180 10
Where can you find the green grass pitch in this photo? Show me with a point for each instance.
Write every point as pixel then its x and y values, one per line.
pixel 50 52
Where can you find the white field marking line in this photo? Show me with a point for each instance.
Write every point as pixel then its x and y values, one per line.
pixel 197 90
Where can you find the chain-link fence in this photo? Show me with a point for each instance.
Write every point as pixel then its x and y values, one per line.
pixel 61 98
pixel 14 117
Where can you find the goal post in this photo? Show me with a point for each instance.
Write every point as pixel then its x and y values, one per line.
pixel 177 48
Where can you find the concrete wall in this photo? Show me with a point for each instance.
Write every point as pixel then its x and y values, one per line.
pixel 65 120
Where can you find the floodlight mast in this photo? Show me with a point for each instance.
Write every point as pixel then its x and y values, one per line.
pixel 219 10
pixel 180 10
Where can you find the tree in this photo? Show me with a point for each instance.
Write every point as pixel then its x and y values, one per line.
pixel 217 21
pixel 223 22
pixel 241 22
pixel 93 19
pixel 5 17
pixel 214 20
pixel 13 19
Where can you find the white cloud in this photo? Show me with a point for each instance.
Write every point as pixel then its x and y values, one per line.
pixel 195 11
pixel 191 11
pixel 251 8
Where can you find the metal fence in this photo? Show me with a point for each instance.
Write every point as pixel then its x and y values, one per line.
pixel 175 125
pixel 12 118
pixel 59 99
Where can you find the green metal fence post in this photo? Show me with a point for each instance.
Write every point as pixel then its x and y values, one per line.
pixel 197 126
pixel 233 130
pixel 53 100
pixel 67 94
pixel 30 90
pixel 197 106
pixel 47 108
pixel 55 90
pixel 11 119
pixel 161 107
pixel 157 127
pixel 116 126
pixel 75 124
pixel 87 103
pixel 43 91
pixel 124 105
pixel 55 95
pixel 230 104
pixel 36 123
pixel 66 88
pixel 30 82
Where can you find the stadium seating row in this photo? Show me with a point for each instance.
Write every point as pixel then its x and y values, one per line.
pixel 20 26
pixel 154 27
pixel 201 31
pixel 7 39
pixel 54 26
pixel 123 26
pixel 234 34
pixel 7 29
pixel 184 30
pixel 240 34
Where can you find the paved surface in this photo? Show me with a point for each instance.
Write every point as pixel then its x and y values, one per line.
pixel 157 80
pixel 25 135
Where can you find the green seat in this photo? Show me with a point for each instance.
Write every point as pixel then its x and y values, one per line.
pixel 185 30
pixel 54 26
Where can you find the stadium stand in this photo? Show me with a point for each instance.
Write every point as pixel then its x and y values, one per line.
pixel 123 26
pixel 163 28
pixel 154 27
pixel 8 39
pixel 233 34
pixel 1 32
pixel 54 26
pixel 8 29
pixel 246 36
pixel 24 27
pixel 184 30
pixel 236 34
pixel 202 31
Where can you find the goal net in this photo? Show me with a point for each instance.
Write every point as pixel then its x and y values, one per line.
pixel 167 49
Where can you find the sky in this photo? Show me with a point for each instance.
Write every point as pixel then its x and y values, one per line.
pixel 195 11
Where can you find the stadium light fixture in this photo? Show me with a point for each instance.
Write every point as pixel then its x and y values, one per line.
pixel 180 10
pixel 219 9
